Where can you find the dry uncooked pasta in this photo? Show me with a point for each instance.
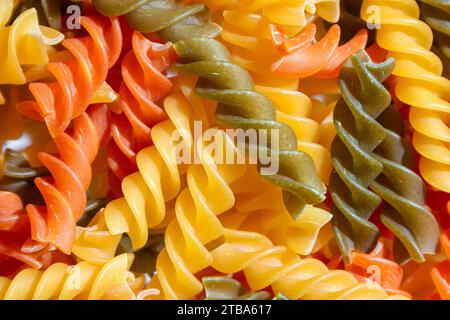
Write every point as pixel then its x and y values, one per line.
pixel 224 150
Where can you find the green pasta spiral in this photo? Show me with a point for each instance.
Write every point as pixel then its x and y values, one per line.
pixel 403 191
pixel 371 162
pixel 169 18
pixel 226 83
pixel 225 288
pixel 17 176
pixel 49 11
pixel 436 14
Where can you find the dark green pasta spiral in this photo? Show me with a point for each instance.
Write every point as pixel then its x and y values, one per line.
pixel 436 13
pixel 230 85
pixel 18 177
pixel 225 288
pixel 403 191
pixel 371 162
pixel 49 11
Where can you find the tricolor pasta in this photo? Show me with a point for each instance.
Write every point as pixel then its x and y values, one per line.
pixel 224 149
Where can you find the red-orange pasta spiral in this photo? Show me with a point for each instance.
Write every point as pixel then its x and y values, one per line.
pixel 65 191
pixel 144 83
pixel 61 101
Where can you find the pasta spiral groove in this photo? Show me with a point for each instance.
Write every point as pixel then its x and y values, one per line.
pixel 419 84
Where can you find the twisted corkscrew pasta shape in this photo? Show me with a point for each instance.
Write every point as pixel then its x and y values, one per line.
pixel 285 272
pixel 436 14
pixel 144 84
pixel 419 84
pixel 65 191
pixel 24 43
pixel 240 106
pixel 77 79
pixel 82 281
pixel 368 152
pixel 147 191
pixel 196 230
pixel 260 208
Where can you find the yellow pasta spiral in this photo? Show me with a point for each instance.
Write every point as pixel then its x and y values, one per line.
pixel 148 191
pixel 197 230
pixel 82 281
pixel 259 208
pixel 420 82
pixel 267 265
pixel 24 44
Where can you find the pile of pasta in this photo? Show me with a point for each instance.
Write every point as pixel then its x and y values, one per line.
pixel 97 96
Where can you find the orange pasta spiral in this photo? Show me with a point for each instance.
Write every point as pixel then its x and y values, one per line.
pixel 65 191
pixel 77 79
pixel 143 85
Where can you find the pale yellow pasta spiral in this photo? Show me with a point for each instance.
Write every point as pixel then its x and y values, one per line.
pixel 197 230
pixel 259 208
pixel 285 272
pixel 420 82
pixel 25 44
pixel 85 280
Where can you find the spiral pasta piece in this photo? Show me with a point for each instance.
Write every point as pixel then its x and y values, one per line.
pixel 267 265
pixel 144 84
pixel 64 191
pixel 63 282
pixel 147 191
pixel 197 230
pixel 239 105
pixel 259 208
pixel 25 44
pixel 419 84
pixel 436 14
pixel 78 78
pixel 379 160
